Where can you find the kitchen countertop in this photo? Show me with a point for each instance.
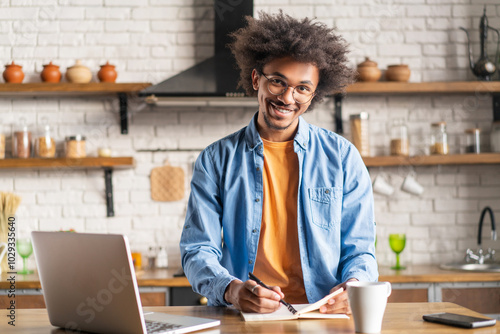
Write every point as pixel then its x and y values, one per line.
pixel 412 274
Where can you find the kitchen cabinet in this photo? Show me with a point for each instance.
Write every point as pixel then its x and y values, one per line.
pixel 73 89
pixel 107 164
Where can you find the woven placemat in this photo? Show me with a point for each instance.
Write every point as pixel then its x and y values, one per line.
pixel 167 184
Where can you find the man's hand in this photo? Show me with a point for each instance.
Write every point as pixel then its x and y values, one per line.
pixel 251 297
pixel 340 302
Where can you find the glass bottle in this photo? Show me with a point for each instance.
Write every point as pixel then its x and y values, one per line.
pixel 495 136
pixel 439 139
pixel 45 145
pixel 473 140
pixel 21 141
pixel 399 138
pixel 74 147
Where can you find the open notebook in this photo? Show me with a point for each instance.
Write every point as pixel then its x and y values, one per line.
pixel 304 311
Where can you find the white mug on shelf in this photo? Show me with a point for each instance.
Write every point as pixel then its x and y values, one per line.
pixel 368 301
pixel 410 185
pixel 381 186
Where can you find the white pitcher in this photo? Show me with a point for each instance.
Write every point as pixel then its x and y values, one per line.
pixel 3 247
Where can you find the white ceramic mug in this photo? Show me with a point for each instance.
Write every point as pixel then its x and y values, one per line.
pixel 410 185
pixel 381 186
pixel 368 301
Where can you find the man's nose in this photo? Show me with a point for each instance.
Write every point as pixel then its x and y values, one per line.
pixel 287 96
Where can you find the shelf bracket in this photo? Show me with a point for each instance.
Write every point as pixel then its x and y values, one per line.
pixel 108 173
pixel 496 107
pixel 123 98
pixel 338 114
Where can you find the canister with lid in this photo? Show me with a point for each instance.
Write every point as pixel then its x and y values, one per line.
pixel 45 145
pixel 399 138
pixel 21 141
pixel 2 143
pixel 473 140
pixel 439 139
pixel 74 147
pixel 360 135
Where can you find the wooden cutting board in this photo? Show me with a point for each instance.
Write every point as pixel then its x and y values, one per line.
pixel 167 183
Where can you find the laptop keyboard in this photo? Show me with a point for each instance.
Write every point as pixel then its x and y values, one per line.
pixel 160 327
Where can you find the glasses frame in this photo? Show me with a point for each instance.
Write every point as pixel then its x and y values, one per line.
pixel 286 88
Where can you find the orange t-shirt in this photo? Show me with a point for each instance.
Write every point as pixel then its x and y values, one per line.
pixel 278 255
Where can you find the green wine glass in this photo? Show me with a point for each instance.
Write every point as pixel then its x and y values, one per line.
pixel 397 243
pixel 25 249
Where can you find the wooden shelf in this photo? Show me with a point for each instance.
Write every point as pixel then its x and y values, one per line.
pixel 430 160
pixel 452 87
pixel 61 88
pixel 68 162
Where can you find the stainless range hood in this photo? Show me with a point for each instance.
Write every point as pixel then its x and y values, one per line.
pixel 212 82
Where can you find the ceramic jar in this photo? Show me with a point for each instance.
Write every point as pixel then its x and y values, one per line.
pixel 399 73
pixel 78 73
pixel 368 71
pixel 107 73
pixel 13 73
pixel 50 73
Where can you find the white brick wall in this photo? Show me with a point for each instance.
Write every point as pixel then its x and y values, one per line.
pixel 150 40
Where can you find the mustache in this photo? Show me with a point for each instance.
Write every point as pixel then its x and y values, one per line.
pixel 281 104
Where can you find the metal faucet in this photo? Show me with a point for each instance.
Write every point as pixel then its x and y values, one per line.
pixel 480 256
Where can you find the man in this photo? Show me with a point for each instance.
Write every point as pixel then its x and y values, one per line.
pixel 281 198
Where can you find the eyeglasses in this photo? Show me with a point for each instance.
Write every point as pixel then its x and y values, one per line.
pixel 277 86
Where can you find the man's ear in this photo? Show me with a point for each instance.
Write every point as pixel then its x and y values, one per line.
pixel 255 79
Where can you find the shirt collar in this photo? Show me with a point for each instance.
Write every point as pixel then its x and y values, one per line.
pixel 253 138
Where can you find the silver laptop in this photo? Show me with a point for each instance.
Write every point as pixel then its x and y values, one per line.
pixel 89 284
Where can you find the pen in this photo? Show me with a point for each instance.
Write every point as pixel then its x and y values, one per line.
pixel 259 282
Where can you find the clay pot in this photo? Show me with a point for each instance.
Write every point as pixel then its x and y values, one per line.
pixel 107 73
pixel 368 71
pixel 398 73
pixel 13 73
pixel 50 73
pixel 78 73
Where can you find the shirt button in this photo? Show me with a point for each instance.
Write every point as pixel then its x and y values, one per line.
pixel 250 262
pixel 258 169
pixel 254 230
pixel 257 200
pixel 327 191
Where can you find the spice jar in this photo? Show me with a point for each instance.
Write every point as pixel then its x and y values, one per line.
pixel 74 147
pixel 360 135
pixel 399 138
pixel 473 140
pixel 2 144
pixel 495 136
pixel 21 141
pixel 45 145
pixel 439 139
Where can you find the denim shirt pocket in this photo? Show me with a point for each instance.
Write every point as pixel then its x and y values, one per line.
pixel 326 206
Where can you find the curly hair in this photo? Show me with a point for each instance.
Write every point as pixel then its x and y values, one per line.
pixel 277 36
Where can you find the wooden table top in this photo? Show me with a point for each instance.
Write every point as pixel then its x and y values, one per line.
pixel 398 318
pixel 413 274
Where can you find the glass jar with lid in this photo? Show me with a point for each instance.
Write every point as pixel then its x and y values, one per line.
pixel 21 140
pixel 45 145
pixel 360 135
pixel 473 140
pixel 439 139
pixel 74 147
pixel 399 138
pixel 2 143
pixel 495 136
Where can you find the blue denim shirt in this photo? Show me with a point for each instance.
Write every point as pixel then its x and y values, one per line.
pixel 335 217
